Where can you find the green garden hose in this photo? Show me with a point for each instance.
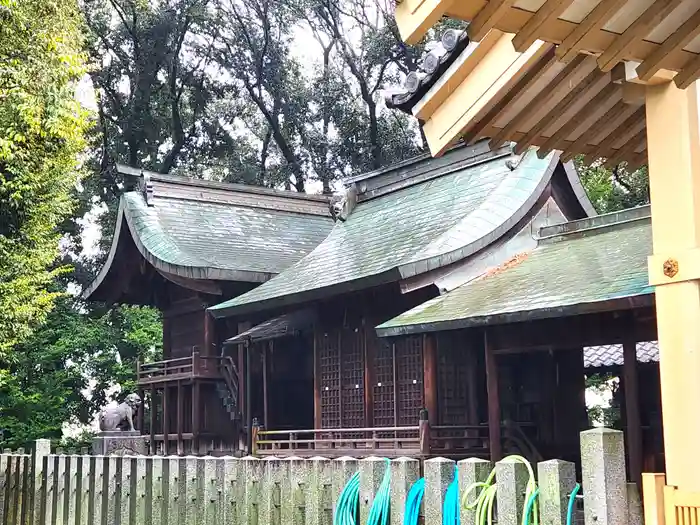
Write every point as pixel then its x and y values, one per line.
pixel 483 504
pixel 572 504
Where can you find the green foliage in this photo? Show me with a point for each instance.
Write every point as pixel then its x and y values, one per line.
pixel 64 371
pixel 41 136
pixel 616 189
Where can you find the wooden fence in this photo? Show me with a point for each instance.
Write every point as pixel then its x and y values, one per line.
pixel 55 489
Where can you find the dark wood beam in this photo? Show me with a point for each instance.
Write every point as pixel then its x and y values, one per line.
pixel 430 377
pixel 154 407
pixel 573 332
pixel 180 418
pixel 494 403
pixel 265 351
pixel 632 412
pixel 317 384
pixel 369 372
pixel 166 421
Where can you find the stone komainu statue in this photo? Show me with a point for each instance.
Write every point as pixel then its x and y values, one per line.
pixel 120 417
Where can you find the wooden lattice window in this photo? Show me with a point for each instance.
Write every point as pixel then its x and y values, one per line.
pixel 452 381
pixel 352 379
pixel 409 377
pixel 329 364
pixel 383 387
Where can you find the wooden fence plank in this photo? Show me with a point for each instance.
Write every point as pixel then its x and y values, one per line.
pixel 124 492
pixel 72 489
pixel 173 491
pixel 141 514
pixel 26 491
pixel 60 512
pixel 4 487
pixel 211 499
pixel 84 494
pixel 112 482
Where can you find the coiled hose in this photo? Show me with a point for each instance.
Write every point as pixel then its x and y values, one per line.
pixel 348 509
pixel 450 508
pixel 483 504
pixel 572 505
pixel 413 501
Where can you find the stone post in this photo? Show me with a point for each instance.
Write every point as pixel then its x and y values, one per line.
pixel 557 480
pixel 439 473
pixel 604 477
pixel 470 471
pixel 42 449
pixel 276 471
pixel 512 477
pixel 252 474
pixel 371 474
pixel 635 514
pixel 404 473
pixel 319 507
pixel 294 491
pixel 343 470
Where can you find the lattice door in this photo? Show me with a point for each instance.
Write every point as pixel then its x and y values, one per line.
pixel 329 363
pixel 352 378
pixel 409 376
pixel 452 382
pixel 383 387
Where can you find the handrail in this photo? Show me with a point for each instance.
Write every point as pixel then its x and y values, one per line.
pixel 338 430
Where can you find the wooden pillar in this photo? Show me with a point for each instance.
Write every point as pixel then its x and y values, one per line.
pixel 369 375
pixel 242 387
pixel 634 423
pixel 494 403
pixel 196 415
pixel 180 417
pixel 248 401
pixel 673 141
pixel 141 418
pixel 430 377
pixel 209 335
pixel 265 357
pixel 166 420
pixel 317 384
pixel 153 407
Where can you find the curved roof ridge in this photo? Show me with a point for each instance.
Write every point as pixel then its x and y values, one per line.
pixel 508 203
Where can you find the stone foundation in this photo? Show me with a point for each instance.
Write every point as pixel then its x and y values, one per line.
pixel 120 443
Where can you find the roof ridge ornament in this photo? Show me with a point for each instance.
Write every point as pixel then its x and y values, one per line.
pixel 146 187
pixel 342 203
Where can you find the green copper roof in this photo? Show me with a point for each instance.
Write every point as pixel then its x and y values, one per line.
pixel 578 268
pixel 215 231
pixel 219 241
pixel 410 230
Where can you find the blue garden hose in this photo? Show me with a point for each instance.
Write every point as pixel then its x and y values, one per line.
pixel 348 508
pixel 379 512
pixel 450 508
pixel 530 508
pixel 572 504
pixel 413 501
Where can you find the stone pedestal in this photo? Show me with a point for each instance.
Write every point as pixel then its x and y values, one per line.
pixel 120 443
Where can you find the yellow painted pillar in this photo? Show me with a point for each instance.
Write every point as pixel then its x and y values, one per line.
pixel 673 140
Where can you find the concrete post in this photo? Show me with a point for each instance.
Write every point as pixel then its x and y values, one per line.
pixel 439 473
pixel 470 471
pixel 371 474
pixel 512 477
pixel 42 449
pixel 604 477
pixel 635 513
pixel 556 481
pixel 404 473
pixel 293 491
pixel 276 471
pixel 319 507
pixel 252 474
pixel 343 470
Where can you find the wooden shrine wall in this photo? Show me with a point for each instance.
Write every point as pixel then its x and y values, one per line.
pixel 364 380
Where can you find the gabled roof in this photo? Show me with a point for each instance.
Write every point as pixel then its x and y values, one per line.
pixel 583 266
pixel 205 230
pixel 411 219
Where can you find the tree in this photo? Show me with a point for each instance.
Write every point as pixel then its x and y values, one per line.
pixel 41 136
pixel 616 189
pixel 65 371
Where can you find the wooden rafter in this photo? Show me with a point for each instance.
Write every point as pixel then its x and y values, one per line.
pixel 605 147
pixel 640 28
pixel 594 22
pixel 549 11
pixel 561 82
pixel 628 150
pixel 680 38
pixel 590 82
pixel 487 18
pixel 542 65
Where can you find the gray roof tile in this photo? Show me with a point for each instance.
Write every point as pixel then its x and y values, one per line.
pixel 401 233
pixel 584 267
pixel 612 355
